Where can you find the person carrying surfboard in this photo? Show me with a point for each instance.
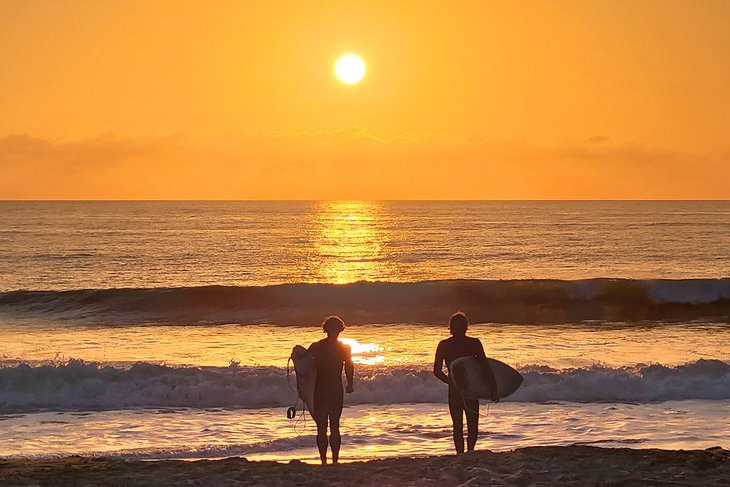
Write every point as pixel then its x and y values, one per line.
pixel 448 350
pixel 330 355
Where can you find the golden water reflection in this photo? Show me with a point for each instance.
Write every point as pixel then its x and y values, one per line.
pixel 364 353
pixel 349 242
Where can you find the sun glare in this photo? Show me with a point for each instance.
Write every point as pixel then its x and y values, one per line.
pixel 350 68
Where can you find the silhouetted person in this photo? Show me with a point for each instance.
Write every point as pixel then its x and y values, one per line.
pixel 460 345
pixel 329 357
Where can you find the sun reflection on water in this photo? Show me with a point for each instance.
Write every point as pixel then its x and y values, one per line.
pixel 349 243
pixel 364 353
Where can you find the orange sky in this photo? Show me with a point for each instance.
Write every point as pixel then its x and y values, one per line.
pixel 491 99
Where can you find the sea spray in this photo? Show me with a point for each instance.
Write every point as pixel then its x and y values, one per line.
pixel 82 385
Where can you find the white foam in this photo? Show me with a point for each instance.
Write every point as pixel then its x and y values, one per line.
pixel 81 385
pixel 691 291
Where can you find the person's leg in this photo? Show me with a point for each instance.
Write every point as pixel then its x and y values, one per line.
pixel 321 421
pixel 320 418
pixel 456 409
pixel 471 408
pixel 335 437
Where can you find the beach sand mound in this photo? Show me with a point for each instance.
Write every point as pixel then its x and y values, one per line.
pixel 565 466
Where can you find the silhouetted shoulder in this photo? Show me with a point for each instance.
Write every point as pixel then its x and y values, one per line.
pixel 478 347
pixel 345 350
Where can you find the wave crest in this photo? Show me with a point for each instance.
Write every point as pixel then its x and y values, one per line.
pixel 82 385
pixel 522 301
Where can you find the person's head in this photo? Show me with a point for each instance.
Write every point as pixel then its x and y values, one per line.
pixel 458 324
pixel 333 325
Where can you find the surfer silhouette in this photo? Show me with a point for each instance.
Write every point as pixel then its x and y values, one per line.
pixel 460 345
pixel 330 355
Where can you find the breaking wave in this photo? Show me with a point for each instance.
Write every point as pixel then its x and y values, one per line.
pixel 523 301
pixel 83 385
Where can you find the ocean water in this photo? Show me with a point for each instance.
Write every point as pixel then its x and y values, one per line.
pixel 100 245
pixel 162 329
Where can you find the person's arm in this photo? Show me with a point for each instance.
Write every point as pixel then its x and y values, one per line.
pixel 438 365
pixel 490 373
pixel 349 369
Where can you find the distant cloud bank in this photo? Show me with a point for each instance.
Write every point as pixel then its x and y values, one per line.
pixel 352 163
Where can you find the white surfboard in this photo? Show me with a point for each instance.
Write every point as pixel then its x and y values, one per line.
pixel 306 375
pixel 470 376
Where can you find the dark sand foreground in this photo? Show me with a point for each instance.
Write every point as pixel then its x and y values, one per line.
pixel 578 465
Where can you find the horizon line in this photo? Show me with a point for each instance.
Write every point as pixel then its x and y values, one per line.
pixel 294 200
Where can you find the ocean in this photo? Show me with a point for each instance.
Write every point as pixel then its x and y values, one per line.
pixel 162 329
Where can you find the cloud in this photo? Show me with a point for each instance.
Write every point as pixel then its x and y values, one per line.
pixel 107 146
pixel 351 163
pixel 598 139
pixel 33 167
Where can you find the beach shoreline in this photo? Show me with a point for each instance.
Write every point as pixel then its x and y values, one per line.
pixel 572 465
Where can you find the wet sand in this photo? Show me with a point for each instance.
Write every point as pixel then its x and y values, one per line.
pixel 567 466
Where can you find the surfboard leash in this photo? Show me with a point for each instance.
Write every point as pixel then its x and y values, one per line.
pixel 288 373
pixel 302 417
pixel 466 408
pixel 291 412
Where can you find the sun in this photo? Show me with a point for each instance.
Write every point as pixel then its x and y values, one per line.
pixel 350 68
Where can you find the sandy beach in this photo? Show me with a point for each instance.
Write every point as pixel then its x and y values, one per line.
pixel 577 465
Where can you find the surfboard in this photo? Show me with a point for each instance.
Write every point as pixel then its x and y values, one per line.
pixel 471 378
pixel 306 375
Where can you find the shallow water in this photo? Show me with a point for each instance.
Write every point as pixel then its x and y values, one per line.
pixel 368 431
pixel 147 374
pixel 616 401
pixel 560 346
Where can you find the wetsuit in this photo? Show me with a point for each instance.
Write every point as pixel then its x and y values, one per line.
pixel 330 356
pixel 448 350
